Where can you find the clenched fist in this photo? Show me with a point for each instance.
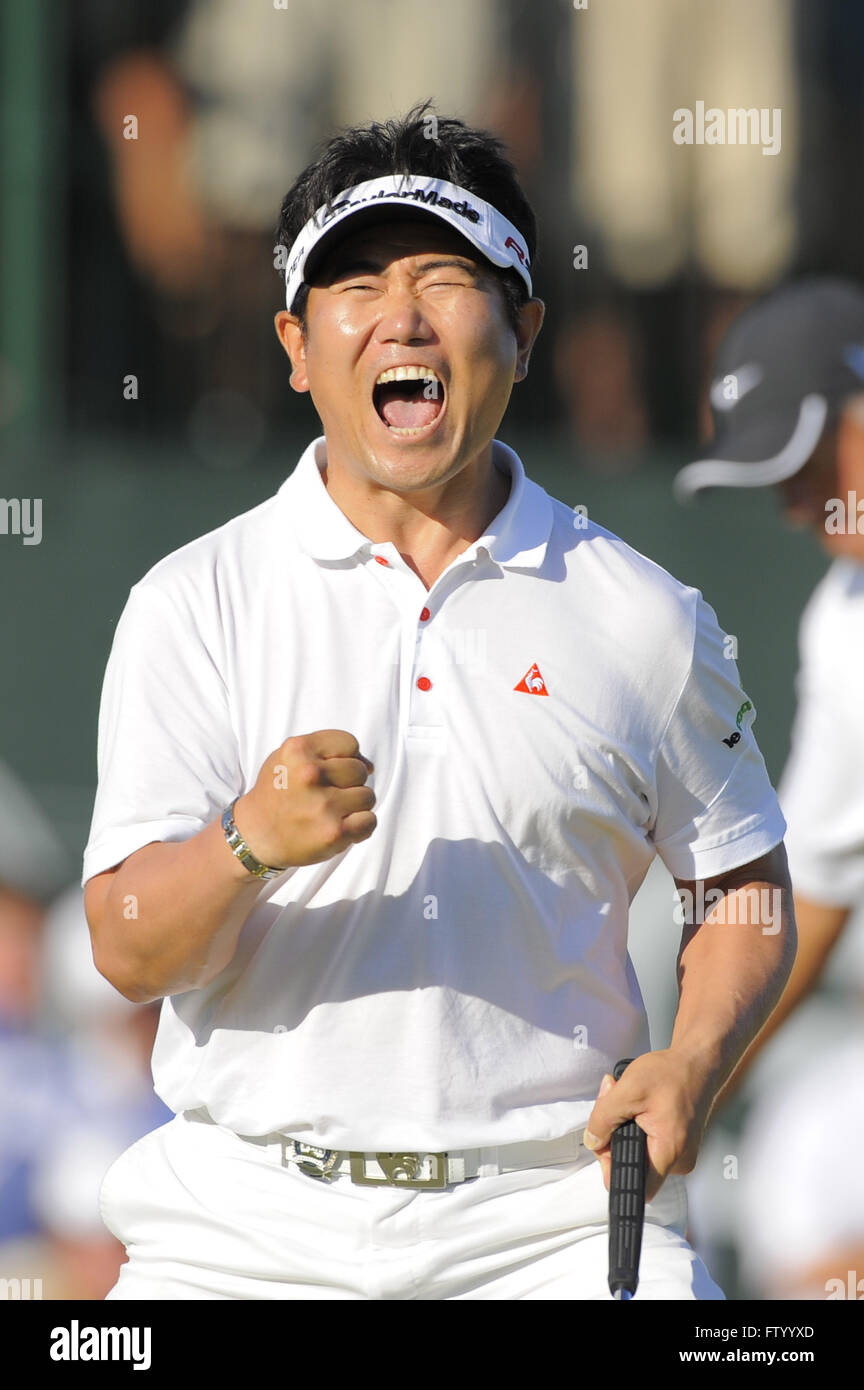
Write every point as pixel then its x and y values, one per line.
pixel 310 801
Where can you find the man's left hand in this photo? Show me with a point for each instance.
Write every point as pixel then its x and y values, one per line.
pixel 668 1097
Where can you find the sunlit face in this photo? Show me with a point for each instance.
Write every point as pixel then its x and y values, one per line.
pixel 834 470
pixel 408 294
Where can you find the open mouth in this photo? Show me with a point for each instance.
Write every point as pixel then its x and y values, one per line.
pixel 408 399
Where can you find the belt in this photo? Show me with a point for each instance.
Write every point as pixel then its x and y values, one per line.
pixel 417 1169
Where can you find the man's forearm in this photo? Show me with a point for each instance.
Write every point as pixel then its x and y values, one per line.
pixel 169 918
pixel 732 970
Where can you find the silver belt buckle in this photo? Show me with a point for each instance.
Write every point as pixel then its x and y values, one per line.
pixel 315 1163
pixel 401 1170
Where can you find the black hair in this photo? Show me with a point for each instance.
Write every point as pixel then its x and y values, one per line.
pixel 423 143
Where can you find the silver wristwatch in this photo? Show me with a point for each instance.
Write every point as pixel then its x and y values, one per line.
pixel 241 850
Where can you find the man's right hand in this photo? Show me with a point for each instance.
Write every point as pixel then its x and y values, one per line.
pixel 310 801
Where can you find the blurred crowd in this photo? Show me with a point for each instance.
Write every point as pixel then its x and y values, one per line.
pixel 172 222
pixel 170 276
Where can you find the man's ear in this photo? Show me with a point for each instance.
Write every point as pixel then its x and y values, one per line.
pixel 290 335
pixel 531 317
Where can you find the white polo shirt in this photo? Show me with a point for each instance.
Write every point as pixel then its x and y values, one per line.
pixel 822 787
pixel 542 720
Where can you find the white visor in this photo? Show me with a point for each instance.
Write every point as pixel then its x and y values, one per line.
pixel 481 224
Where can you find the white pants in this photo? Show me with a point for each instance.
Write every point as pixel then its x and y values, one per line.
pixel 204 1214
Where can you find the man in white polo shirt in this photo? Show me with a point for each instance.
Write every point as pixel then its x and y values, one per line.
pixel 384 1032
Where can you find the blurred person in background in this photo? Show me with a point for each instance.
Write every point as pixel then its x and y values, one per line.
pixel 109 1098
pixel 26 1095
pixel 32 864
pixel 75 1084
pixel 77 1095
pixel 788 403
pixel 677 237
pixel 799 1219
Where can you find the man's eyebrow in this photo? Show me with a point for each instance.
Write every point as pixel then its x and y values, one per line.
pixel 354 266
pixel 447 261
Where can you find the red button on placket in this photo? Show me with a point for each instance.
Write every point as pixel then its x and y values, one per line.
pixel 424 683
pixel 425 615
pixel 382 559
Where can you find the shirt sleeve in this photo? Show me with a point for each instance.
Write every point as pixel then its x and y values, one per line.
pixel 716 808
pixel 822 787
pixel 167 753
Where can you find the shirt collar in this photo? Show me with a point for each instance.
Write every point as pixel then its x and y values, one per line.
pixel 517 536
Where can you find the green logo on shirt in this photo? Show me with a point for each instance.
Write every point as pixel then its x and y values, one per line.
pixel 736 737
pixel 742 711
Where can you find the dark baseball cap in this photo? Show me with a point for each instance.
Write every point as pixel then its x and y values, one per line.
pixel 781 375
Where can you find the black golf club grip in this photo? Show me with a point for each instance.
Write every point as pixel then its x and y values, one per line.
pixel 626 1201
